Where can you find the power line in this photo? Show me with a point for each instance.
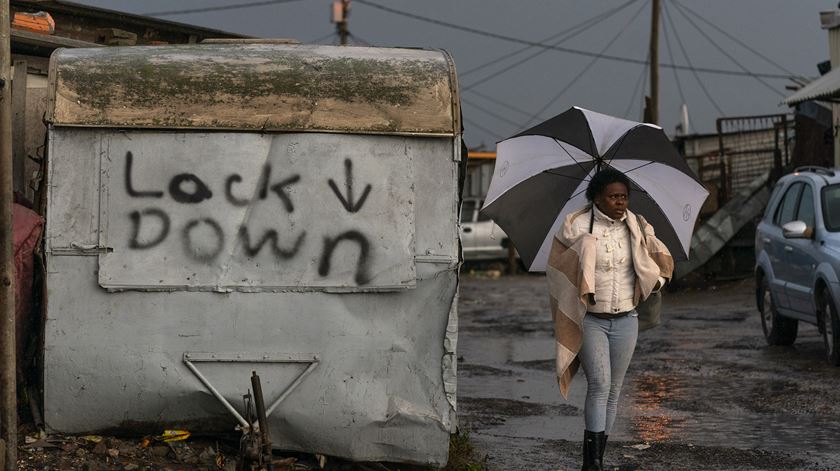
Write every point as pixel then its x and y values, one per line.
pixel 738 41
pixel 627 60
pixel 723 51
pixel 472 123
pixel 541 51
pixel 539 113
pixel 636 88
pixel 499 102
pixel 218 8
pixel 571 31
pixel 321 38
pixel 690 65
pixel 360 40
pixel 491 113
pixel 671 56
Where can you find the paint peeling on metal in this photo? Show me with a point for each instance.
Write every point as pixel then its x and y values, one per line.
pixel 450 363
pixel 403 412
pixel 263 87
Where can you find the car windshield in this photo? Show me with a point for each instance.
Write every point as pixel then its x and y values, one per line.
pixel 831 207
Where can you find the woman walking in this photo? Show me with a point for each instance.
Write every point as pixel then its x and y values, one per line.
pixel 603 262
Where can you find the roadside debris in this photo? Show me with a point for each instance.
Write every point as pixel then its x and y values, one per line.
pixel 173 436
pixel 95 452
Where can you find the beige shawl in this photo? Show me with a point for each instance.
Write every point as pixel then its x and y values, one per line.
pixel 571 271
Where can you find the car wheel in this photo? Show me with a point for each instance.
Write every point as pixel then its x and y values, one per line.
pixel 830 327
pixel 778 330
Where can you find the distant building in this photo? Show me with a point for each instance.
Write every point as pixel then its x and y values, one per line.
pixel 480 165
pixel 812 100
pixel 41 26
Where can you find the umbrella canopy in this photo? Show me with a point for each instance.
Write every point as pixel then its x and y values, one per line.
pixel 542 173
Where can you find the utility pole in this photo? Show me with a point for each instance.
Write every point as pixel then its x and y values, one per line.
pixel 653 111
pixel 341 11
pixel 8 370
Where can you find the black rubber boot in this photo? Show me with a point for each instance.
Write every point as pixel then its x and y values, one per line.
pixel 603 448
pixel 593 451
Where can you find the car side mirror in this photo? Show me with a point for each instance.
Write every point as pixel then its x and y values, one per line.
pixel 796 230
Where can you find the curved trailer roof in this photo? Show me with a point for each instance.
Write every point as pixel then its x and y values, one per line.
pixel 264 87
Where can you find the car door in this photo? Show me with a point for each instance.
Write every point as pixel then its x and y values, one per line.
pixel 488 237
pixel 774 243
pixel 469 207
pixel 801 255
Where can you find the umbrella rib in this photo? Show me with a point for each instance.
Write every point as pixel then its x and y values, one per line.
pixel 567 176
pixel 559 143
pixel 577 194
pixel 640 166
pixel 620 143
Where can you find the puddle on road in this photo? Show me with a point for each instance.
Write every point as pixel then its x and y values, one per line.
pixel 505 351
pixel 542 365
pixel 704 388
pixel 738 315
pixel 472 370
pixel 768 413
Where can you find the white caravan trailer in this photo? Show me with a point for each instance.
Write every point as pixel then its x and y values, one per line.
pixel 292 210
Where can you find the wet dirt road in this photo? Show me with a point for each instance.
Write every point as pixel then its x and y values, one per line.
pixel 704 391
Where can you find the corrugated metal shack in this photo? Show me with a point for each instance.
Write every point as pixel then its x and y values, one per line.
pixel 218 209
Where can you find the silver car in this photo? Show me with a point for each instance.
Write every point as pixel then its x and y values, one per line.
pixel 797 248
pixel 481 238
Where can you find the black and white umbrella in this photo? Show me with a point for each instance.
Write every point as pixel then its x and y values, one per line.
pixel 541 176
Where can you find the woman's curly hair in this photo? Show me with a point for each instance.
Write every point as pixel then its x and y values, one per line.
pixel 598 183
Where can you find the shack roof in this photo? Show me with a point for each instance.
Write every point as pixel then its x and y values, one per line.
pixel 825 88
pixel 264 87
pixel 81 22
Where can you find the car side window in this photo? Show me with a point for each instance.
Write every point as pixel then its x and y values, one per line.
pixel 787 208
pixel 806 207
pixel 467 210
pixel 772 205
pixel 831 207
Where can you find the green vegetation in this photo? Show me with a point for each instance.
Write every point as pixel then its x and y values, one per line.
pixel 462 454
pixel 143 77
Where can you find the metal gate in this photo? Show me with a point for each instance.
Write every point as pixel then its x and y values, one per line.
pixel 748 147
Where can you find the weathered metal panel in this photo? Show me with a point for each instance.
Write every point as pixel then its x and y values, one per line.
pixel 250 211
pixel 74 225
pixel 265 87
pixel 383 387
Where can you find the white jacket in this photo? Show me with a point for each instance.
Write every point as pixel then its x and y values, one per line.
pixel 615 275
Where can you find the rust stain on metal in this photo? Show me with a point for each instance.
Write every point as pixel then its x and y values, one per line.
pixel 256 87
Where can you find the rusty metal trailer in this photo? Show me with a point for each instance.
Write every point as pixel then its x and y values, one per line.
pixel 220 209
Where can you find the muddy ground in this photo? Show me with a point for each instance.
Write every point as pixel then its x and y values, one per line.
pixel 704 391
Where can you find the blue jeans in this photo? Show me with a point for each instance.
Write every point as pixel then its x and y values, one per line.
pixel 608 346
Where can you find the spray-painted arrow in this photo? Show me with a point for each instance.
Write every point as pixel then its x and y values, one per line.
pixel 348 203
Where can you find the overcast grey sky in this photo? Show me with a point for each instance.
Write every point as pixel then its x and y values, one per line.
pixel 785 31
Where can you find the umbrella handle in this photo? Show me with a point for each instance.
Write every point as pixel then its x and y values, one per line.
pixel 592 217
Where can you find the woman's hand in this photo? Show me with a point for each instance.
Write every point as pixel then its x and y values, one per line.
pixel 659 284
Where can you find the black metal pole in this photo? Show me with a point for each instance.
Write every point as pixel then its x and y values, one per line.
pixel 265 438
pixel 592 216
pixel 8 370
